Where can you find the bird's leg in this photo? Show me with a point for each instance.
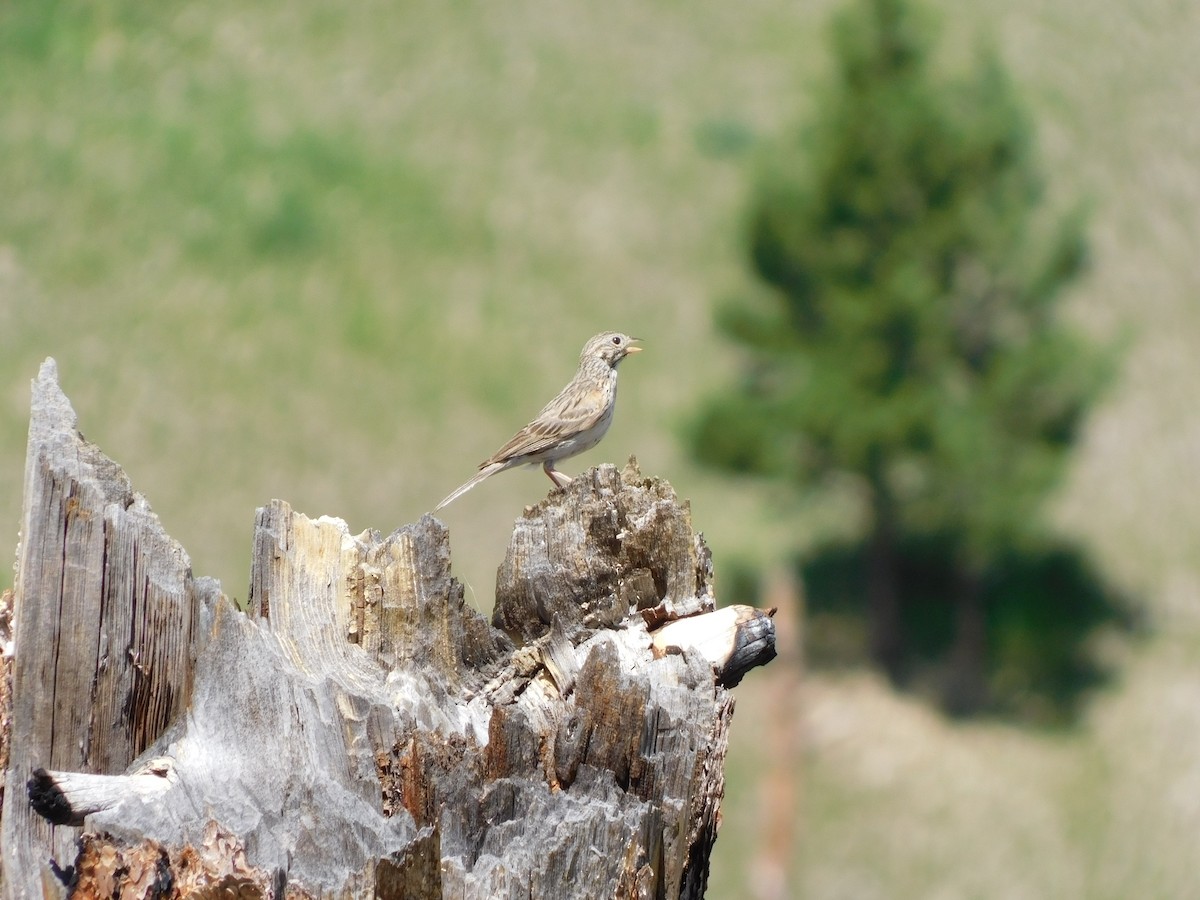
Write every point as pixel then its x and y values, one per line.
pixel 560 480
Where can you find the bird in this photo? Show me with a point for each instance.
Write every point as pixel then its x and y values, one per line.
pixel 574 421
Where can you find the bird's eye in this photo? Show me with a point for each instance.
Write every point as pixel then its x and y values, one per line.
pixel 617 340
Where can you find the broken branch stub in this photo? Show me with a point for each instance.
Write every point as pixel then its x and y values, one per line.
pixel 361 731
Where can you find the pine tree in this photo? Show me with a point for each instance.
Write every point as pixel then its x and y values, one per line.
pixel 910 337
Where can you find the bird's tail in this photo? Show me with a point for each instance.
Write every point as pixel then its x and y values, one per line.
pixel 485 472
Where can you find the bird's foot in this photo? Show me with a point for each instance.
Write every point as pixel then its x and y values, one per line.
pixel 560 480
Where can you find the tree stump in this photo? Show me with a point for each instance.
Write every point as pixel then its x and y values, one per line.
pixel 360 731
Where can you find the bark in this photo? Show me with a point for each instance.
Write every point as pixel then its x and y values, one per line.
pixel 360 731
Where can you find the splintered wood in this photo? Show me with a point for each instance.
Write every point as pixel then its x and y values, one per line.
pixel 361 731
pixel 105 622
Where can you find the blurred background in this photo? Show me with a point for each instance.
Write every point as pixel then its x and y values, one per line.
pixel 338 255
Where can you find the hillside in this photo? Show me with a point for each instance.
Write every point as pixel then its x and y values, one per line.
pixel 338 256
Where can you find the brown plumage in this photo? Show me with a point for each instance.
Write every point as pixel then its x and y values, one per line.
pixel 571 423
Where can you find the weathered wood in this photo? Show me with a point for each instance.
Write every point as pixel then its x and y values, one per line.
pixel 612 544
pixel 106 622
pixel 734 640
pixel 67 798
pixel 6 667
pixel 361 731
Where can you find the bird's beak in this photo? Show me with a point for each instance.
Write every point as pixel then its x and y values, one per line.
pixel 632 349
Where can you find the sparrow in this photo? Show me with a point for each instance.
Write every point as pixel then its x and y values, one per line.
pixel 574 421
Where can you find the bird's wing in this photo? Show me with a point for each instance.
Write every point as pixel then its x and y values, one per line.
pixel 573 411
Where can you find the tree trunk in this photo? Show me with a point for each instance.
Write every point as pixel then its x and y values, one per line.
pixel 966 689
pixel 885 629
pixel 361 731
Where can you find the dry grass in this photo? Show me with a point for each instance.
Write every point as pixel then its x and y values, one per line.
pixel 897 802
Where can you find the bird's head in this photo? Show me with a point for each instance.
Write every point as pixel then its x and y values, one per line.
pixel 611 347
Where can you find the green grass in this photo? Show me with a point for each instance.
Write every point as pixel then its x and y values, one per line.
pixel 337 255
